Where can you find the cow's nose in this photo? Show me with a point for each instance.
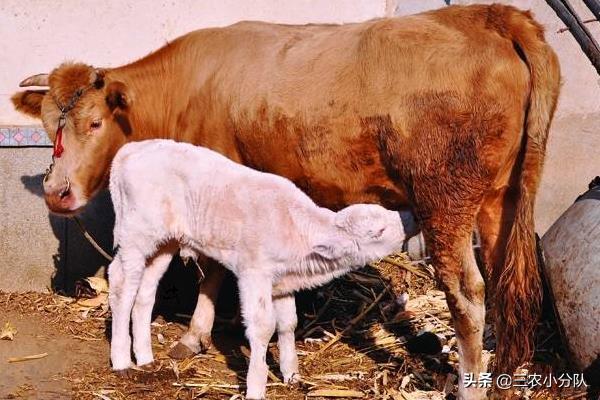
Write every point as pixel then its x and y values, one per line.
pixel 50 184
pixel 62 188
pixel 59 198
pixel 60 202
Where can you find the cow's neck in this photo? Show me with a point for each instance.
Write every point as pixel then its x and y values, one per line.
pixel 162 95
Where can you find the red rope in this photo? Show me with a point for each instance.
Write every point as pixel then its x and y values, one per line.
pixel 58 147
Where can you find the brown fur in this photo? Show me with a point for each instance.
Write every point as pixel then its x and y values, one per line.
pixel 29 102
pixel 446 111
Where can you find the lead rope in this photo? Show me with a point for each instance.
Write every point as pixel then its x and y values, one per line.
pixel 91 239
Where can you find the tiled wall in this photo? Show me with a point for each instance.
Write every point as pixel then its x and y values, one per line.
pixel 24 136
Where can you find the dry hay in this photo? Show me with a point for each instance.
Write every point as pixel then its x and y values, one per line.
pixel 352 343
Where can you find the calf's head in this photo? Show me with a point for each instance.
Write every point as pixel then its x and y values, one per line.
pixel 362 233
pixel 94 126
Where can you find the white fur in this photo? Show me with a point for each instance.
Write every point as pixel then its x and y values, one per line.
pixel 260 226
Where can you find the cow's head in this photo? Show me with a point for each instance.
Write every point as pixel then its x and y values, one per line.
pixel 96 126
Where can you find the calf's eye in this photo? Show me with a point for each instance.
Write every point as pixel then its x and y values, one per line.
pixel 96 124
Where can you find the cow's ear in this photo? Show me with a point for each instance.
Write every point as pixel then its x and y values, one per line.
pixel 118 101
pixel 332 247
pixel 29 102
pixel 117 96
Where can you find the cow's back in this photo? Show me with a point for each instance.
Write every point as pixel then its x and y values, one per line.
pixel 312 102
pixel 318 103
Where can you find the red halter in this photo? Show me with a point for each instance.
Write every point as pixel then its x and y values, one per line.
pixel 62 120
pixel 58 147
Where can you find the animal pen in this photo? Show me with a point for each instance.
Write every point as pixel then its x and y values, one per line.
pixel 380 332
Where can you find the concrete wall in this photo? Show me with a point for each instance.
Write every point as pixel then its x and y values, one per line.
pixel 39 250
pixel 30 241
pixel 37 35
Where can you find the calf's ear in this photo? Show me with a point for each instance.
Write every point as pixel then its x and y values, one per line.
pixel 29 102
pixel 333 247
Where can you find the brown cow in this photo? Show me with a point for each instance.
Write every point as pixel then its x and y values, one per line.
pixel 446 111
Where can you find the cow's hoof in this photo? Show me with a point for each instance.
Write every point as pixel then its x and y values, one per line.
pixel 180 352
pixel 126 373
pixel 205 342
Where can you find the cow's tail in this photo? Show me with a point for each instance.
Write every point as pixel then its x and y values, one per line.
pixel 518 285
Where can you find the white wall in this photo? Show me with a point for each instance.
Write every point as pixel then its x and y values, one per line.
pixel 38 35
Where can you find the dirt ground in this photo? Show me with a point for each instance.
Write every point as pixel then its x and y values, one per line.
pixel 359 337
pixel 45 376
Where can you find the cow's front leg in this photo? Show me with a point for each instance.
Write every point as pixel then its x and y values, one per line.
pixel 285 311
pixel 259 318
pixel 124 275
pixel 198 336
pixel 144 303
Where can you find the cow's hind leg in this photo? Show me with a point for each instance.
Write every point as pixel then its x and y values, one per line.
pixel 449 235
pixel 144 303
pixel 494 221
pixel 198 336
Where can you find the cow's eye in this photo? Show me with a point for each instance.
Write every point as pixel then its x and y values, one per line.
pixel 96 124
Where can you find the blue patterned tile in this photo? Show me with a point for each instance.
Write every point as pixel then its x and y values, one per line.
pixel 24 136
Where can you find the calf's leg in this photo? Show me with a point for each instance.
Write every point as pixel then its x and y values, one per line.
pixel 285 312
pixel 259 318
pixel 198 336
pixel 124 276
pixel 144 303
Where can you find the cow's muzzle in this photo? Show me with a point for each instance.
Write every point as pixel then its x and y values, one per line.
pixel 59 196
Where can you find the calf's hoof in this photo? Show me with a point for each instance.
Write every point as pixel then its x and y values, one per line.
pixel 126 373
pixel 180 352
pixel 254 393
pixel 151 366
pixel 292 379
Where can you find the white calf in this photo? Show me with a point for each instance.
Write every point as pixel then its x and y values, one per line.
pixel 264 229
